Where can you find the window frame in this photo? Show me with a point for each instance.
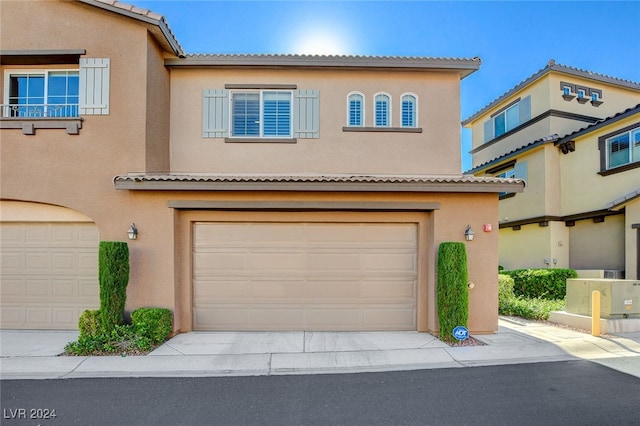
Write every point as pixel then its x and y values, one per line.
pixel 507 123
pixel 389 112
pixel 261 113
pixel 630 147
pixel 603 146
pixel 362 114
pixel 414 113
pixel 44 112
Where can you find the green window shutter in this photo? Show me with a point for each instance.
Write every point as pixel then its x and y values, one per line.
pixel 306 114
pixel 525 110
pixel 93 95
pixel 488 130
pixel 520 170
pixel 215 113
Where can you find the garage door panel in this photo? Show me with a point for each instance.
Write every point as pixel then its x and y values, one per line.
pixel 389 290
pixel 285 261
pixel 389 318
pixel 304 276
pixel 332 262
pixel 216 262
pixel 49 274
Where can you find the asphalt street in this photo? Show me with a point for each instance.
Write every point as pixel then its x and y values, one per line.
pixel 550 393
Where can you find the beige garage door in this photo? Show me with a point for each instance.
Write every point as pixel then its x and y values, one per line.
pixel 305 276
pixel 49 274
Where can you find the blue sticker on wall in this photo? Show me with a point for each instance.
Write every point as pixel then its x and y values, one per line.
pixel 460 332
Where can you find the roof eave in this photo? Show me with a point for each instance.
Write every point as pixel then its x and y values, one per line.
pixel 551 67
pixel 142 184
pixel 464 66
pixel 163 34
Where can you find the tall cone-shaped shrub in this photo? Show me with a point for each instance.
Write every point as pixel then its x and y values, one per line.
pixel 452 291
pixel 113 276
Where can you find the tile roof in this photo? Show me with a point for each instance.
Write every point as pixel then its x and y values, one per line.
pixel 412 181
pixel 467 65
pixel 620 202
pixel 547 139
pixel 552 66
pixel 602 122
pixel 559 139
pixel 143 15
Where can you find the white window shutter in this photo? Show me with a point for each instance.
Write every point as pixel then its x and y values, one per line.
pixel 525 110
pixel 306 114
pixel 215 113
pixel 94 86
pixel 488 130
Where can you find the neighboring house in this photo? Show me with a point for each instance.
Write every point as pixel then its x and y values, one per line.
pixel 269 192
pixel 574 137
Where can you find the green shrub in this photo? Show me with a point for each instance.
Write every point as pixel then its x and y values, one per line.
pixel 122 339
pixel 530 308
pixel 541 283
pixel 156 324
pixel 505 291
pixel 89 323
pixel 452 290
pixel 113 275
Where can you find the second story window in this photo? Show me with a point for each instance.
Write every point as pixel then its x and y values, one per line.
pixel 261 114
pixel 623 148
pixel 42 94
pixel 382 110
pixel 356 110
pixel 508 118
pixel 409 111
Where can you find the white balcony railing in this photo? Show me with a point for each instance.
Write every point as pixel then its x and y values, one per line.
pixel 39 111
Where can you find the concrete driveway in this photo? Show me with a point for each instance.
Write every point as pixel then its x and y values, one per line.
pixel 21 343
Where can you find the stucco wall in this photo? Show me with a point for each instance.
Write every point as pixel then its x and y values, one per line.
pixel 445 224
pixel 632 240
pixel 582 187
pixel 434 151
pixel 598 245
pixel 530 246
pixel 76 171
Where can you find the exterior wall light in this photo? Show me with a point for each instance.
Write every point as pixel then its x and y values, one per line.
pixel 469 234
pixel 132 232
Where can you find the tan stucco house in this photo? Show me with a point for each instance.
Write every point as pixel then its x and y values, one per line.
pixel 269 192
pixel 574 137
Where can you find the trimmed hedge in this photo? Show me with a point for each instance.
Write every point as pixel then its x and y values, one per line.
pixel 89 323
pixel 113 276
pixel 505 292
pixel 156 324
pixel 452 290
pixel 541 283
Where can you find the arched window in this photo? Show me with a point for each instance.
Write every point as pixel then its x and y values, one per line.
pixel 355 108
pixel 409 110
pixel 382 110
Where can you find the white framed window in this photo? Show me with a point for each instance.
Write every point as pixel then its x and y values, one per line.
pixel 623 148
pixel 41 93
pixel 566 90
pixel 409 110
pixel 382 110
pixel 355 109
pixel 595 96
pixel 264 114
pixel 581 93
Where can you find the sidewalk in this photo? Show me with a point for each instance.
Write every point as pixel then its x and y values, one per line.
pixel 33 355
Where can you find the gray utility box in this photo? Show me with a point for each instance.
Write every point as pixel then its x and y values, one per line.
pixel 618 298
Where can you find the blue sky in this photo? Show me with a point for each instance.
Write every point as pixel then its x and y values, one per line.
pixel 513 39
